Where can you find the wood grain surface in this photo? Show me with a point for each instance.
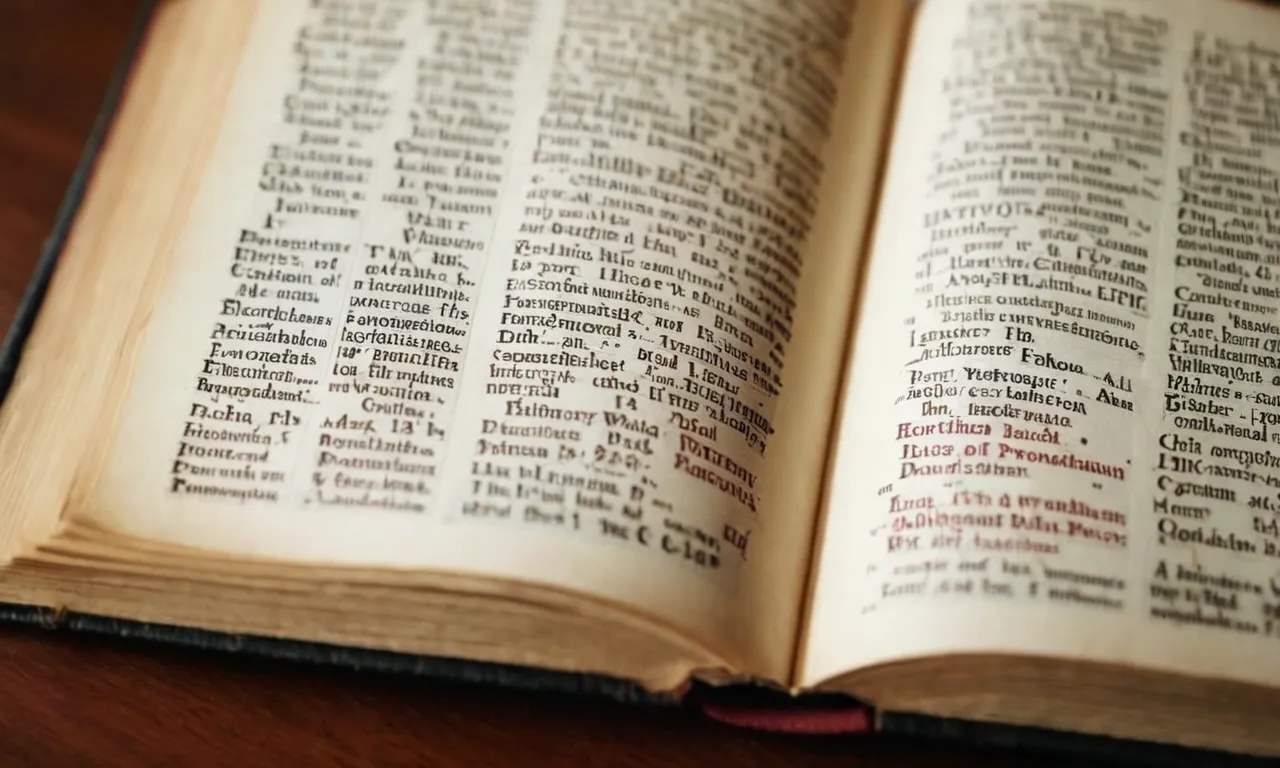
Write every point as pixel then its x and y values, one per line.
pixel 83 700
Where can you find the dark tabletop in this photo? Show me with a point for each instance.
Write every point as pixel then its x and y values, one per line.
pixel 82 700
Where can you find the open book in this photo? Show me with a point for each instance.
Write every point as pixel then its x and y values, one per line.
pixel 925 354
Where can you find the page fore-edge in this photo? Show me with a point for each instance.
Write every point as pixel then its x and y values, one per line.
pixel 736 705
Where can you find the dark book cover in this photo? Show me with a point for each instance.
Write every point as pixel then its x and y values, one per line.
pixel 833 714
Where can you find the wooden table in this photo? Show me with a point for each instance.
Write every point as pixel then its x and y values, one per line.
pixel 77 700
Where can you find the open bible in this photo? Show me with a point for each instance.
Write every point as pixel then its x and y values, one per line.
pixel 925 353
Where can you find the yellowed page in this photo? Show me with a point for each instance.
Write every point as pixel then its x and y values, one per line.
pixel 1061 432
pixel 548 291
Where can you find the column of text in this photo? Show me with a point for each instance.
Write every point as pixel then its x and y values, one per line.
pixel 1027 327
pixel 1217 478
pixel 648 297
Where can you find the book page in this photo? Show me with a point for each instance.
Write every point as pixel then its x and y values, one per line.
pixel 538 290
pixel 1064 391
